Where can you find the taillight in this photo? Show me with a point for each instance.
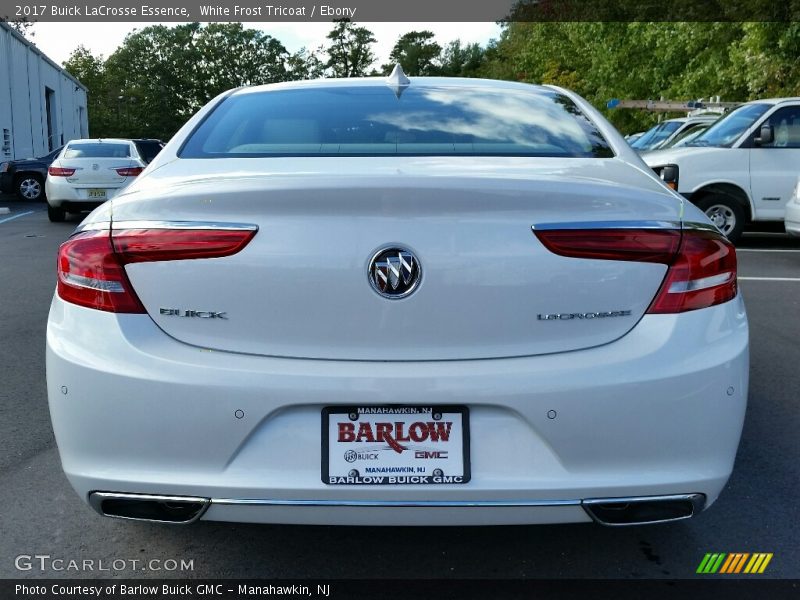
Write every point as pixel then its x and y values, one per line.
pixel 149 245
pixel 129 171
pixel 703 274
pixel 91 275
pixel 91 264
pixel 60 172
pixel 701 263
pixel 640 245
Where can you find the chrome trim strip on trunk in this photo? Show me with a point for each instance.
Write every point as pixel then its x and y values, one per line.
pixel 701 226
pixel 608 225
pixel 95 226
pixel 214 225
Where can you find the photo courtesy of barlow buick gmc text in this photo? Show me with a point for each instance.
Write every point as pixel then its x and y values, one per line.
pixel 364 300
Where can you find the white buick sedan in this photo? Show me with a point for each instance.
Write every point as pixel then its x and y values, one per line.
pixel 86 173
pixel 398 302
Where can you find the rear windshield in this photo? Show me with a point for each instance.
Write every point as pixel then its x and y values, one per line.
pixel 377 121
pixel 99 150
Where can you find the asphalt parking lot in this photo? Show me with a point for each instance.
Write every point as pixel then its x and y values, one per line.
pixel 758 511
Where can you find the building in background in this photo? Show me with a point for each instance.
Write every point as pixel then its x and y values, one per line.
pixel 41 105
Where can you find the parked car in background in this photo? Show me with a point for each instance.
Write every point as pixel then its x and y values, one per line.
pixel 680 141
pixel 666 131
pixel 686 136
pixel 148 148
pixel 743 168
pixel 25 177
pixel 88 172
pixel 398 302
pixel 633 137
pixel 792 222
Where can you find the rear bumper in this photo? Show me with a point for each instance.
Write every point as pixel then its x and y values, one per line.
pixel 61 193
pixel 658 412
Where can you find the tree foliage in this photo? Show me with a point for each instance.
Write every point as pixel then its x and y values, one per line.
pixel 641 60
pixel 416 52
pixel 22 26
pixel 160 75
pixel 90 71
pixel 350 49
pixel 305 64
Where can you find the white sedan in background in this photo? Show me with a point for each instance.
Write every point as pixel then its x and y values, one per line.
pixel 89 172
pixel 389 301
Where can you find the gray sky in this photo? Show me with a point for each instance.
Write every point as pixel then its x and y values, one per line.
pixel 57 40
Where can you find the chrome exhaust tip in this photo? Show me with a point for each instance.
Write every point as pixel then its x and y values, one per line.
pixel 643 510
pixel 175 510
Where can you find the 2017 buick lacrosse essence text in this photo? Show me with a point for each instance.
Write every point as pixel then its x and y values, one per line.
pixel 398 301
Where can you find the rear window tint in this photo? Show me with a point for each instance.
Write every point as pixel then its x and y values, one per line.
pixel 374 121
pixel 99 150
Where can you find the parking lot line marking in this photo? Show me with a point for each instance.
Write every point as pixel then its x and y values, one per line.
pixel 768 278
pixel 30 212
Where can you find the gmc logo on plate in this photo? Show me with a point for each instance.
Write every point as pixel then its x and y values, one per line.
pixel 430 454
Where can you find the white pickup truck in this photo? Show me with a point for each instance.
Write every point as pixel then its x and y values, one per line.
pixel 743 168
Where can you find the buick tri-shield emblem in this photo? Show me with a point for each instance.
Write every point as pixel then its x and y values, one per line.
pixel 394 272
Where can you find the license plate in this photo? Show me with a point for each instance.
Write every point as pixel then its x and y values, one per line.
pixel 395 445
pixel 96 193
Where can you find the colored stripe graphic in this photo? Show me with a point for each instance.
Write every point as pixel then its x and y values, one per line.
pixel 711 562
pixel 758 563
pixel 734 562
pixel 741 562
pixel 732 558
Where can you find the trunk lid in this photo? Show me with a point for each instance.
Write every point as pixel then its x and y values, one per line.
pixel 301 287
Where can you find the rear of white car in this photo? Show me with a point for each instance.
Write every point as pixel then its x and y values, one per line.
pixel 393 331
pixel 88 172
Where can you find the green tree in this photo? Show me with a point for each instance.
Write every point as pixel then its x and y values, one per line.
pixel 416 52
pixel 155 76
pixel 90 71
pixel 22 26
pixel 305 64
pixel 350 49
pixel 767 56
pixel 639 60
pixel 232 56
pixel 163 75
pixel 459 60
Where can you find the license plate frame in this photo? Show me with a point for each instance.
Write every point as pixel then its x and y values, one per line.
pixel 409 415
